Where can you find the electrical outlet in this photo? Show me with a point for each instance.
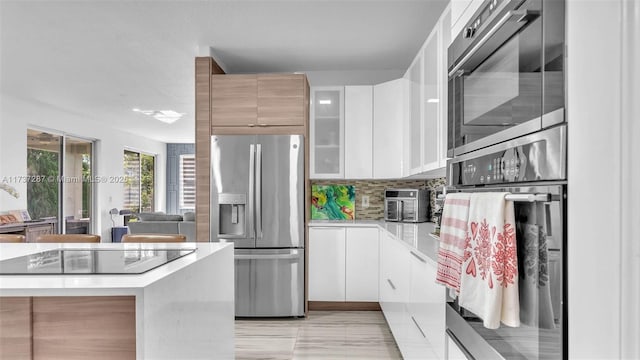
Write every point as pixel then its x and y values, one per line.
pixel 365 201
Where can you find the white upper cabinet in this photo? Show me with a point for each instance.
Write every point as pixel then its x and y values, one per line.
pixel 327 132
pixel 358 131
pixel 416 114
pixel 390 126
pixel 427 75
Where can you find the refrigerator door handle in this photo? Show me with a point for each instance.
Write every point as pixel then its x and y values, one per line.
pixel 252 171
pixel 259 191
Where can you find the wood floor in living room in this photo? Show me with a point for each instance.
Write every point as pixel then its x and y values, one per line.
pixel 322 335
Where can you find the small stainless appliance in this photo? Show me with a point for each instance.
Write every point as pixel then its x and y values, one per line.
pixel 406 205
pixel 257 199
pixel 506 73
pixel 533 169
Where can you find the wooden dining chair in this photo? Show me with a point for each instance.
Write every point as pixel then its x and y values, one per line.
pixel 12 238
pixel 153 238
pixel 68 238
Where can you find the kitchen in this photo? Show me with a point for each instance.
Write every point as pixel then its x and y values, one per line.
pixel 604 95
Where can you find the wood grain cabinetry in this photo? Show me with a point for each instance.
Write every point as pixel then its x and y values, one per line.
pixel 234 100
pixel 281 100
pixel 15 328
pixel 83 327
pixel 258 100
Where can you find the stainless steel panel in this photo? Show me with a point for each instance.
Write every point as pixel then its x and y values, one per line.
pixel 506 134
pixel 231 169
pixel 269 282
pixel 467 338
pixel 280 193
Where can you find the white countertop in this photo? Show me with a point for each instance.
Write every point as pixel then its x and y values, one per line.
pixel 416 236
pixel 73 284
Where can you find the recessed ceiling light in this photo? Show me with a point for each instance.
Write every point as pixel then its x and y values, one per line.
pixel 166 116
pixel 325 102
pixel 433 100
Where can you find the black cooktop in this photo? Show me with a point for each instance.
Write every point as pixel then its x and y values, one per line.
pixel 90 261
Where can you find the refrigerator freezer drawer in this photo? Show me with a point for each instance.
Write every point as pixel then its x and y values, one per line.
pixel 269 282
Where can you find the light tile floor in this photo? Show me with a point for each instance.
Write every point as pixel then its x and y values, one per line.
pixel 322 335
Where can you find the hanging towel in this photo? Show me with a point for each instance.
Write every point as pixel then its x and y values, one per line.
pixel 453 233
pixel 535 295
pixel 489 279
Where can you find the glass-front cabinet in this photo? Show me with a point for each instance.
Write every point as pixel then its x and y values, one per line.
pixel 327 132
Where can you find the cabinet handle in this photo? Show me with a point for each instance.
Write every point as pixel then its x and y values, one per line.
pixel 418 257
pixel 418 326
pixel 251 125
pixel 391 284
pixel 263 125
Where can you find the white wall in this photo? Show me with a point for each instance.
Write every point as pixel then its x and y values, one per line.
pixel 603 112
pixel 17 115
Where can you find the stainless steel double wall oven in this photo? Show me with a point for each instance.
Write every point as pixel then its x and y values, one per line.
pixel 507 133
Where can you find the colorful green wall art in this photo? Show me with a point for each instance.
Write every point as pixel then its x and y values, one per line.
pixel 333 202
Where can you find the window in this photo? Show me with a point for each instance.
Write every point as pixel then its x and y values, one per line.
pixel 139 172
pixel 60 167
pixel 187 181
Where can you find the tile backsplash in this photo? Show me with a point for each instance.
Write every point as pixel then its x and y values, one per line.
pixel 375 190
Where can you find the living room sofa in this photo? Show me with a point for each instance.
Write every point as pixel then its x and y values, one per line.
pixel 160 223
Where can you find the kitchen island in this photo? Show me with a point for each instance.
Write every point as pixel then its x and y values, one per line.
pixel 180 309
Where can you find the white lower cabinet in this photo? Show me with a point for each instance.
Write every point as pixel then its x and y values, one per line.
pixel 327 264
pixel 362 264
pixel 343 264
pixel 411 301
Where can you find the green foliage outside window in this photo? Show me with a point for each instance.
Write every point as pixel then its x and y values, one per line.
pixel 42 197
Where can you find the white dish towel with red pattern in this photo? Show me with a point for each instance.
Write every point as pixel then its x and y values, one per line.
pixel 489 279
pixel 453 232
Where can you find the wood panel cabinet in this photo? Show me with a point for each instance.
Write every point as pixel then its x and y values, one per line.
pixel 234 100
pixel 258 100
pixel 15 328
pixel 281 100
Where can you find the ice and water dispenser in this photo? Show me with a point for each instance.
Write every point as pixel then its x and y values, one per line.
pixel 233 215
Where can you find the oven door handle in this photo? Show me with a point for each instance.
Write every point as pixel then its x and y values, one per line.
pixel 518 17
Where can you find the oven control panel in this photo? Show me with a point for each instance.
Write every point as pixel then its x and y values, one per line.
pixel 535 157
pixel 518 164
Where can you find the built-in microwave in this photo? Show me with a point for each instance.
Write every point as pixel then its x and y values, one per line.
pixel 506 73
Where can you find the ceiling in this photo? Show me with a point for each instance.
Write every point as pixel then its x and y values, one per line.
pixel 101 59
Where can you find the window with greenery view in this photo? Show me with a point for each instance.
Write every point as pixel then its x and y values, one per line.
pixel 139 171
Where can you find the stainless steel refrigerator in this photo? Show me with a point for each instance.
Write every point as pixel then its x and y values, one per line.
pixel 257 202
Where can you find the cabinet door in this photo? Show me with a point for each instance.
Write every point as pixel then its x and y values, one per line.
pixel 432 101
pixel 281 100
pixel 234 100
pixel 362 264
pixel 427 302
pixel 390 109
pixel 358 132
pixel 327 133
pixel 327 264
pixel 414 75
pixel 444 41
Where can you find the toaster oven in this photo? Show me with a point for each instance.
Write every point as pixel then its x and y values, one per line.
pixel 406 205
